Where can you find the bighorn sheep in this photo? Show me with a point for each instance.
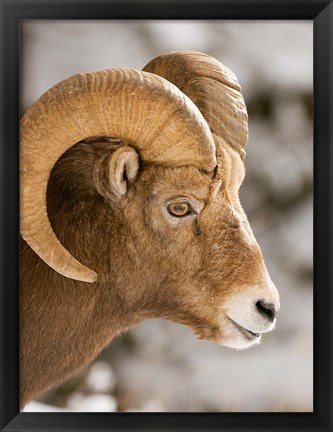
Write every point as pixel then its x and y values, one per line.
pixel 136 175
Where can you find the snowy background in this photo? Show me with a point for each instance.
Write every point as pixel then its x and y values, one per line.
pixel 159 366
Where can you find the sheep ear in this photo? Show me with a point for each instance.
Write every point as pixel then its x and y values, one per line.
pixel 123 169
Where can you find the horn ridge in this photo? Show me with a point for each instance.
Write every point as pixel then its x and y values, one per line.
pixel 129 104
pixel 212 87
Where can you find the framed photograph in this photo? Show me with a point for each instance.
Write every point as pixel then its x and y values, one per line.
pixel 166 174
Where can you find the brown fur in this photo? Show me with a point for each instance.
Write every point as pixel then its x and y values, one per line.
pixel 147 267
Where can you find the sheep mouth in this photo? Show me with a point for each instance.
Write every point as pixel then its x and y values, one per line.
pixel 248 334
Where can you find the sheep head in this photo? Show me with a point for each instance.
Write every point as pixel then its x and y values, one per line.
pixel 178 244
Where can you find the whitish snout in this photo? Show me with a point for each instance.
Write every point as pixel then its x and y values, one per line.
pixel 248 314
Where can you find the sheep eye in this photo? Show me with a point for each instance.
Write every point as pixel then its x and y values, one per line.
pixel 179 209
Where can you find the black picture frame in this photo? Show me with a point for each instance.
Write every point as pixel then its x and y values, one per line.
pixel 321 13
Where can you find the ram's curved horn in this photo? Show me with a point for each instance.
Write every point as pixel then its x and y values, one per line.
pixel 212 87
pixel 146 110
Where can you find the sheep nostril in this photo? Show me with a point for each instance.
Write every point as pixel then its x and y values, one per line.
pixel 266 308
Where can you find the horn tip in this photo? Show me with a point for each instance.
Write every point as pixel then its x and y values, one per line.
pixel 88 276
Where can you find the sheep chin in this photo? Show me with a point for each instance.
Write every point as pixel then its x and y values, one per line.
pixel 240 343
pixel 236 337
